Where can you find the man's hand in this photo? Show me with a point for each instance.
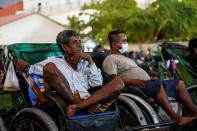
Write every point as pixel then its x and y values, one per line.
pixel 22 66
pixel 138 83
pixel 82 55
pixel 134 82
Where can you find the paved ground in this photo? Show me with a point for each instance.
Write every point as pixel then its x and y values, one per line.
pixel 191 127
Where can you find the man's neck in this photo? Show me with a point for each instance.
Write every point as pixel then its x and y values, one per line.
pixel 68 59
pixel 115 52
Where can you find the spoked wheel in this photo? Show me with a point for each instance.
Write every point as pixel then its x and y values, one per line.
pixel 192 90
pixel 125 118
pixel 29 125
pixel 129 114
pixel 32 119
pixel 3 127
pixel 149 115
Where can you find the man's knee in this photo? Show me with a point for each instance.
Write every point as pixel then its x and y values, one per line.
pixel 117 84
pixel 49 69
pixel 180 82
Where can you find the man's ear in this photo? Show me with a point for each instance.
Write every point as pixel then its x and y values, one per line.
pixel 115 45
pixel 64 47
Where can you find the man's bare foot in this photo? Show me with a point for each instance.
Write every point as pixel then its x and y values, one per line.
pixel 70 111
pixel 185 120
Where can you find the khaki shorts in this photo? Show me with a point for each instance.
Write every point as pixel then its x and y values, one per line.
pixel 101 107
pixel 105 106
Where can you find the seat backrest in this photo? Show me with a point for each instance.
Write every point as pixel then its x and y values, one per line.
pixel 177 48
pixel 34 52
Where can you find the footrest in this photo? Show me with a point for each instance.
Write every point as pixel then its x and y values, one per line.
pixel 104 121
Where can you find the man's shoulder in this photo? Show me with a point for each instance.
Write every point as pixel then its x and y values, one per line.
pixel 113 56
pixel 55 57
pixel 110 57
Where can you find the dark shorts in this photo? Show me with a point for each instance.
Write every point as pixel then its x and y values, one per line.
pixel 152 87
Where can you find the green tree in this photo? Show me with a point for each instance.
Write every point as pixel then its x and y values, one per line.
pixel 109 15
pixel 174 20
pixel 162 20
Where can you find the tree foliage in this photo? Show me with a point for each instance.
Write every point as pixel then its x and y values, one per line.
pixel 162 20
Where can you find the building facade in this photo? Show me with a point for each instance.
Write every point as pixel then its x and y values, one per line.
pixel 10 7
pixel 53 5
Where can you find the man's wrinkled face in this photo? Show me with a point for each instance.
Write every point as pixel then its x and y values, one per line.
pixel 73 46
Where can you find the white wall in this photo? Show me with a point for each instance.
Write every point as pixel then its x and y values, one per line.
pixel 34 29
pixel 54 5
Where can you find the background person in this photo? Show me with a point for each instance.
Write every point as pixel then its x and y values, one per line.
pixel 192 57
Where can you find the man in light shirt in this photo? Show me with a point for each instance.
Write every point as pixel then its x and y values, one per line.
pixel 119 66
pixel 73 74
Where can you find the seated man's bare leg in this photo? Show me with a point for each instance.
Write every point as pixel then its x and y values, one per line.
pixel 107 93
pixel 185 98
pixel 162 99
pixel 58 82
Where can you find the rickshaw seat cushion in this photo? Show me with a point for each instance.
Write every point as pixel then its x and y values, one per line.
pixel 38 79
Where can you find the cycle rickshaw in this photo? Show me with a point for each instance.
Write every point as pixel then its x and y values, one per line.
pixel 32 109
pixel 185 71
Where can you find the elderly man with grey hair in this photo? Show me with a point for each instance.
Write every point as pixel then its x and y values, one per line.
pixel 73 74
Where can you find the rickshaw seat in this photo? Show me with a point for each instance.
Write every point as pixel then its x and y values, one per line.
pixel 33 53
